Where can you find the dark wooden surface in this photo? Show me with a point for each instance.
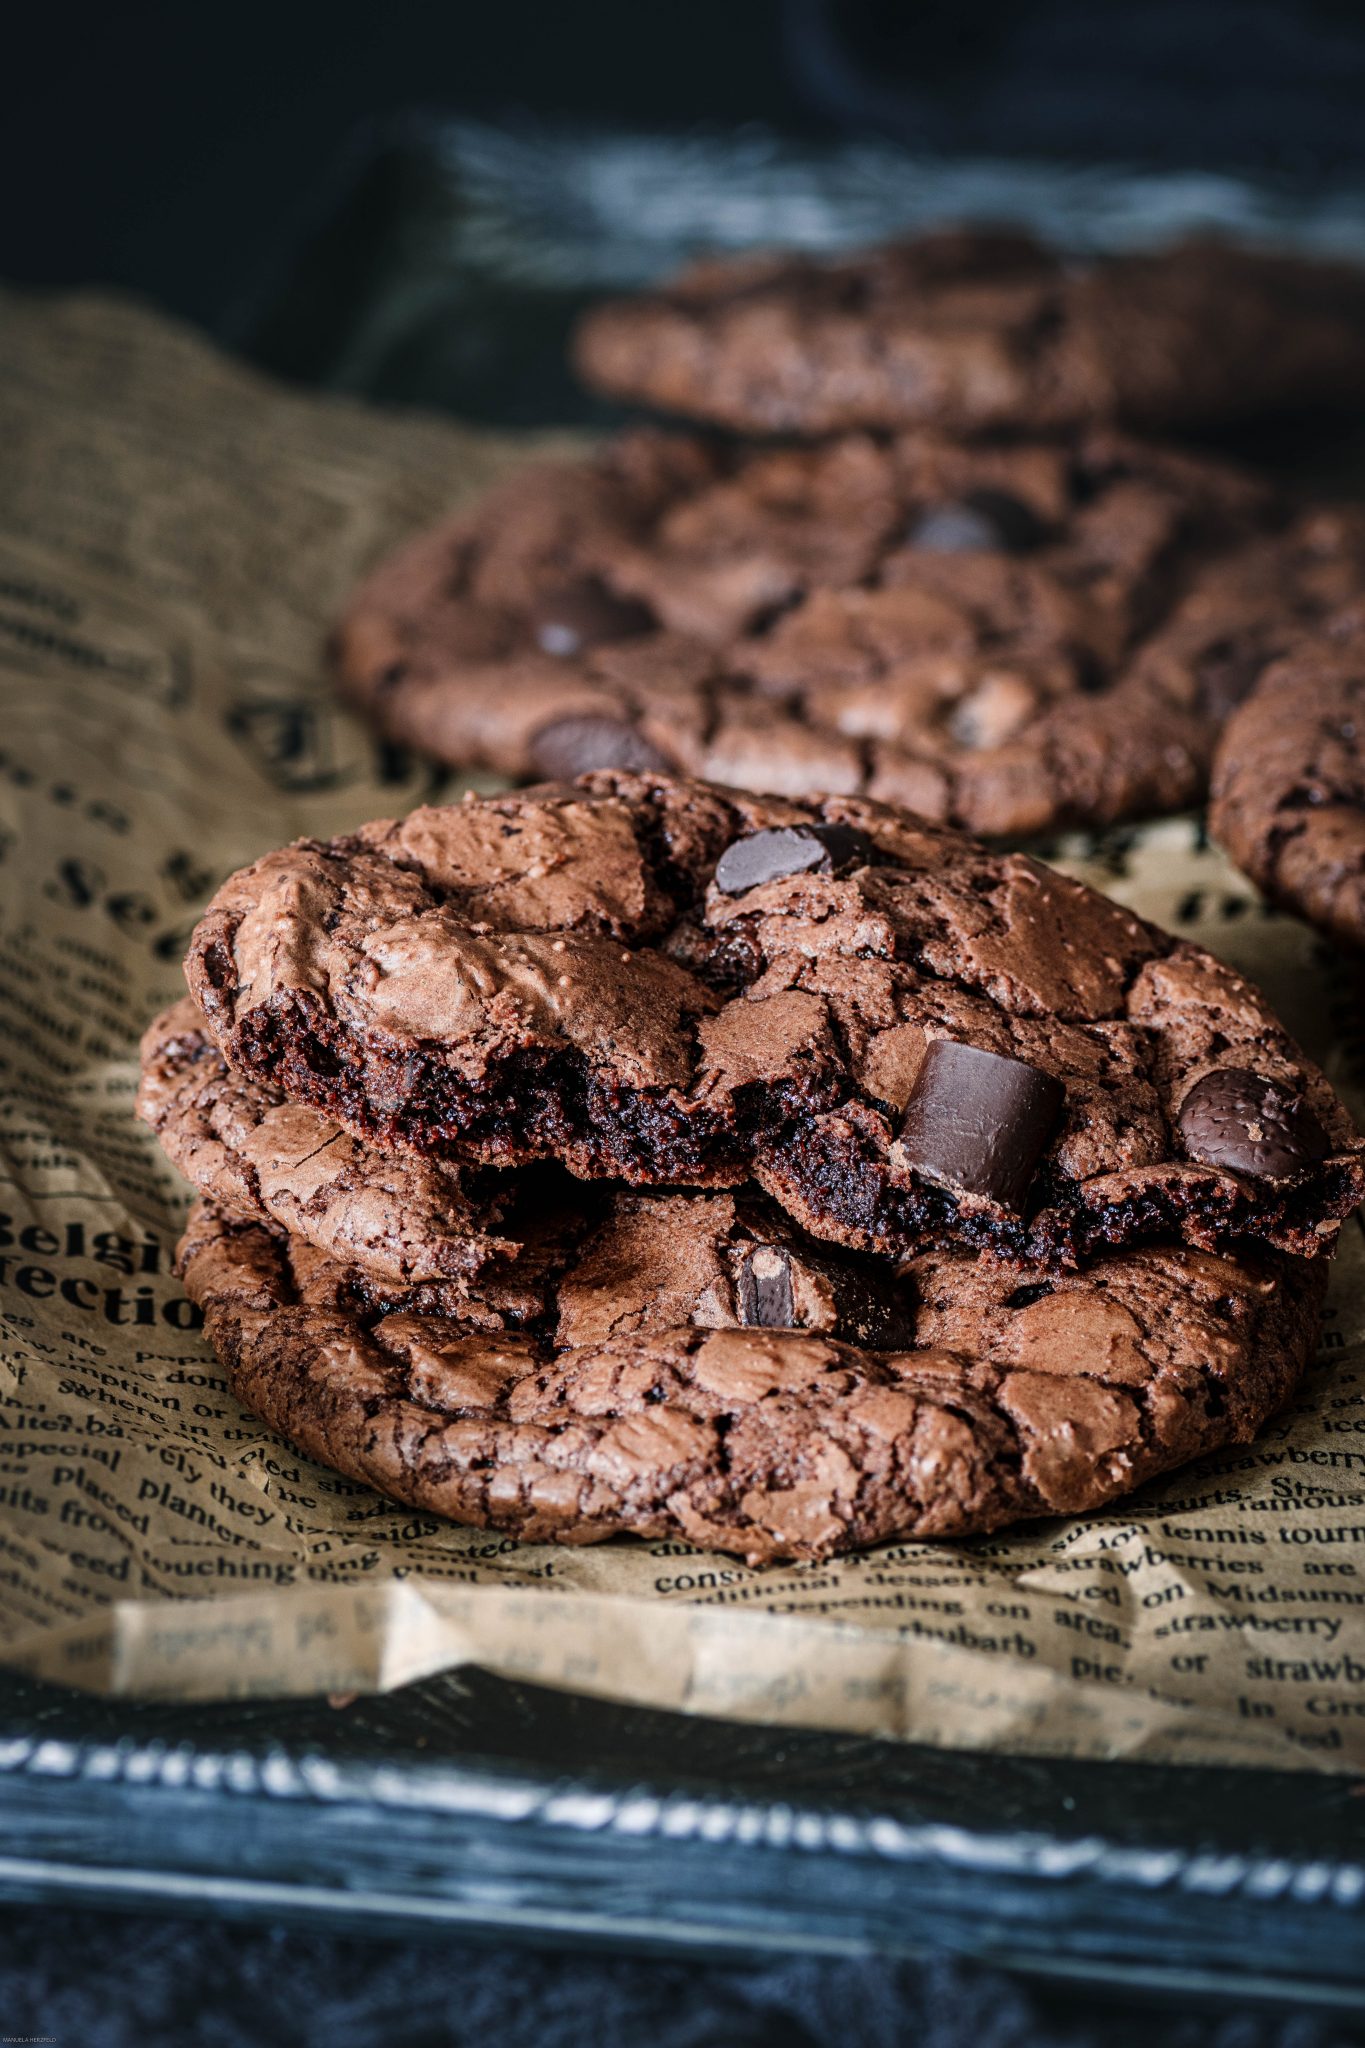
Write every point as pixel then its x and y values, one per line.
pixel 467 1803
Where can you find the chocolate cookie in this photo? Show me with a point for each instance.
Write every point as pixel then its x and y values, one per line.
pixel 1289 783
pixel 978 329
pixel 905 1038
pixel 1006 638
pixel 653 1405
pixel 459 1240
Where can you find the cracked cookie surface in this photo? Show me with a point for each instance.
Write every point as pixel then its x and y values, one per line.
pixel 1007 637
pixel 640 1411
pixel 1289 784
pixel 972 329
pixel 663 982
pixel 245 1146
pixel 494 1250
pixel 459 1240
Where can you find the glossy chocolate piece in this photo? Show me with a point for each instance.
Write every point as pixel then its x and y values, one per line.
pixel 977 1122
pixel 765 1289
pixel 1237 1119
pixel 782 850
pixel 983 520
pixel 575 746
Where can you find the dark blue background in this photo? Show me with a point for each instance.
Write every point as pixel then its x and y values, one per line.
pixel 165 145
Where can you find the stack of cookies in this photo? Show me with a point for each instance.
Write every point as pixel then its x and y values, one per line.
pixel 638 1155
pixel 784 1173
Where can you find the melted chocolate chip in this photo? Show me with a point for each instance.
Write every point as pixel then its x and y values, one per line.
pixel 581 615
pixel 782 850
pixel 977 1122
pixel 765 1289
pixel 574 746
pixel 982 520
pixel 1239 1120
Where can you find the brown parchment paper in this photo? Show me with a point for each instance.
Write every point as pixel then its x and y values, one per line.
pixel 175 535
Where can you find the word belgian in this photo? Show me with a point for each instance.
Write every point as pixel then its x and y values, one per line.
pixel 120 1305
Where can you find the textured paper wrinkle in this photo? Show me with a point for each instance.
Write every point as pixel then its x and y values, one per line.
pixel 176 535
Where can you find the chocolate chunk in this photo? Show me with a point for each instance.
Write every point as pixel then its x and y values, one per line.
pixel 1025 1296
pixel 765 1289
pixel 574 746
pixel 870 1307
pixel 587 614
pixel 1225 674
pixel 984 519
pixel 781 850
pixel 1015 521
pixel 977 1121
pixel 1239 1120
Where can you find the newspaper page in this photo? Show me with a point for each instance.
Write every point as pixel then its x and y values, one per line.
pixel 176 534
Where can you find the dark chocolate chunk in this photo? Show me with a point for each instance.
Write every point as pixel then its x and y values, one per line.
pixel 781 1287
pixel 1239 1120
pixel 977 1121
pixel 587 614
pixel 1025 1296
pixel 870 1307
pixel 765 1289
pixel 983 519
pixel 781 850
pixel 1225 674
pixel 574 746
